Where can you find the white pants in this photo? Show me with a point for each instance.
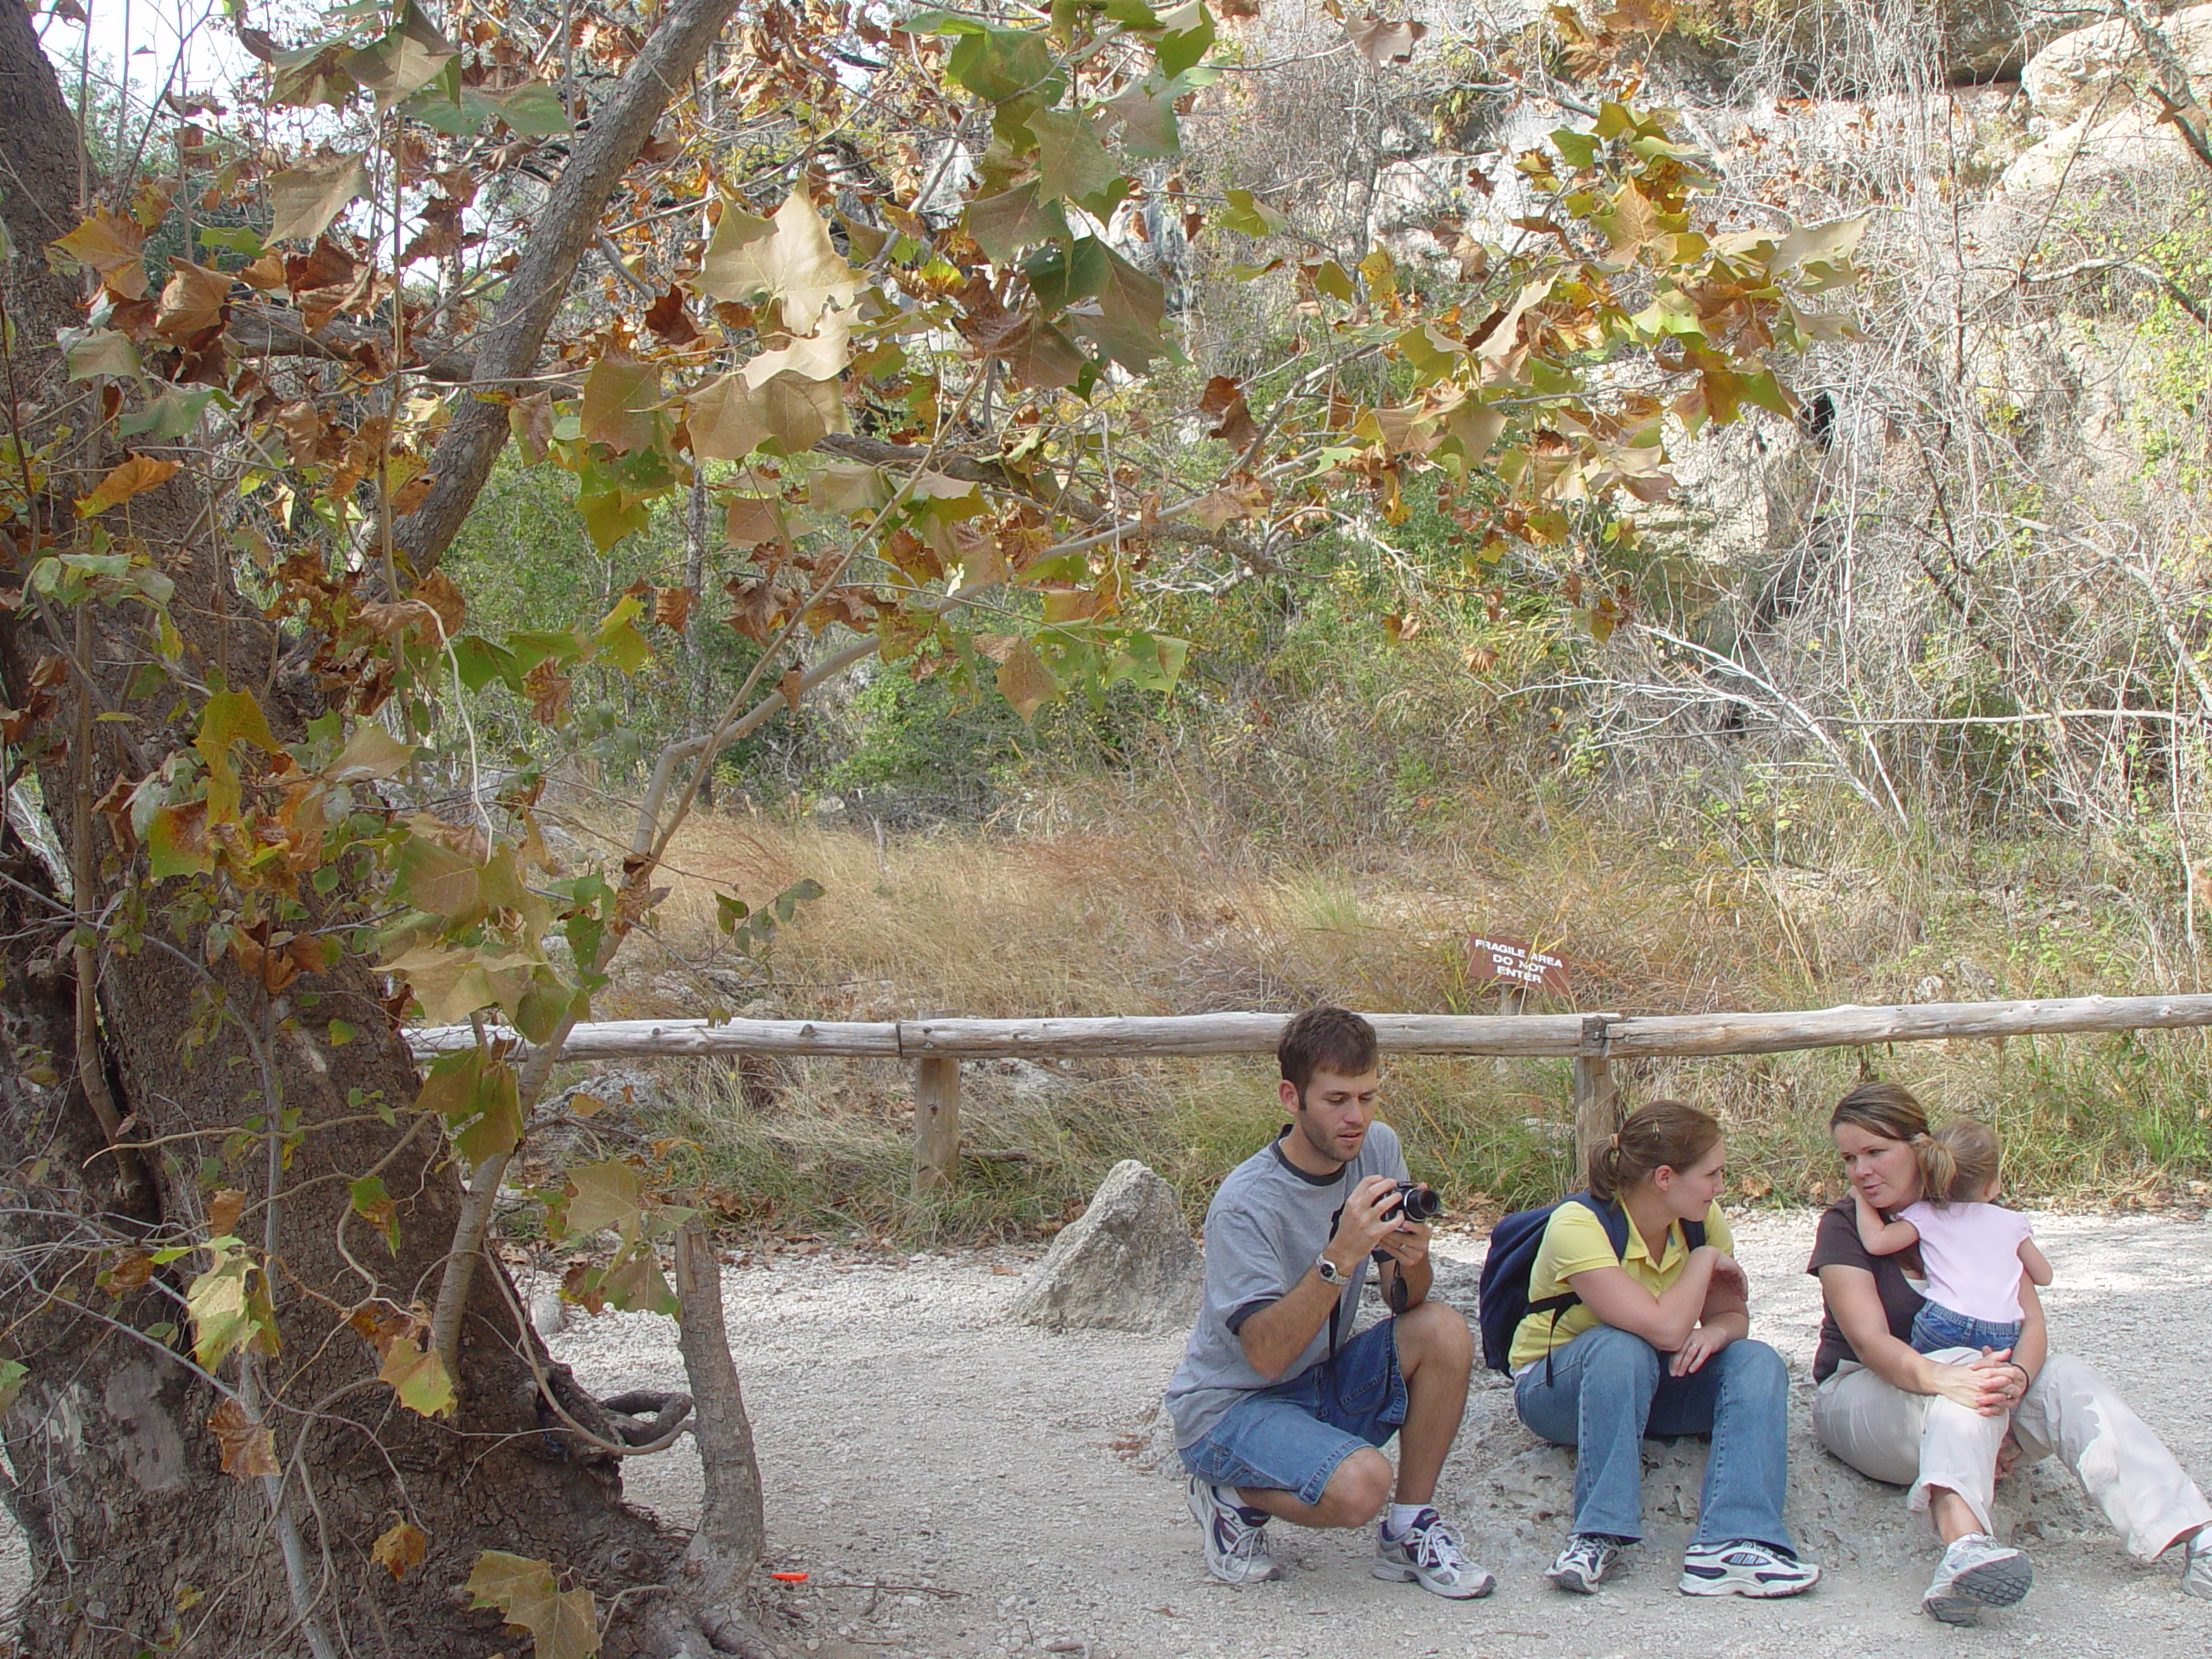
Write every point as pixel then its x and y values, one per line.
pixel 1924 1441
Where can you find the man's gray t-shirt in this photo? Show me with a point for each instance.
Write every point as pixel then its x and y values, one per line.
pixel 1265 1229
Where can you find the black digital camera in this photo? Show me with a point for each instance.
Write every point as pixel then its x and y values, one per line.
pixel 1417 1201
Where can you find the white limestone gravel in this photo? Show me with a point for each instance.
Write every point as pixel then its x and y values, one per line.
pixel 956 1485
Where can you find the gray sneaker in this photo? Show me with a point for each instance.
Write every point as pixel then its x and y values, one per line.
pixel 1976 1572
pixel 1584 1562
pixel 1237 1545
pixel 2196 1567
pixel 1429 1555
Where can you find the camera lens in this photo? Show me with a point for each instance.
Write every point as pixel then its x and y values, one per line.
pixel 1420 1202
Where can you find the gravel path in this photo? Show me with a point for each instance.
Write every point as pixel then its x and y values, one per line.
pixel 956 1485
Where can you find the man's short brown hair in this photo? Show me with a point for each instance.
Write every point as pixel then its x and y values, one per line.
pixel 1333 1039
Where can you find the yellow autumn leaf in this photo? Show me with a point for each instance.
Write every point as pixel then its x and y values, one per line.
pixel 134 477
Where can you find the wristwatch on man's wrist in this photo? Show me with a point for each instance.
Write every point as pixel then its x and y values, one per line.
pixel 1330 1272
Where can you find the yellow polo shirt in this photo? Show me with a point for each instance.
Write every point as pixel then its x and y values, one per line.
pixel 1575 1242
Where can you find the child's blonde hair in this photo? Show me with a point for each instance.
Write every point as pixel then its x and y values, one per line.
pixel 1958 1162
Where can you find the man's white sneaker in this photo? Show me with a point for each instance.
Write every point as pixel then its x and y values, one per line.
pixel 1976 1572
pixel 1745 1567
pixel 1237 1545
pixel 1428 1554
pixel 2196 1567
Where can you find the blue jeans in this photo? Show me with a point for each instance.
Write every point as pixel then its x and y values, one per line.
pixel 1292 1436
pixel 1609 1389
pixel 1936 1328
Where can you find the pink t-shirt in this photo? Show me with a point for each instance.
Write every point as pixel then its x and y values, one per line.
pixel 1972 1252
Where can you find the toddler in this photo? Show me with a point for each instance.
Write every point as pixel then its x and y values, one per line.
pixel 1973 1250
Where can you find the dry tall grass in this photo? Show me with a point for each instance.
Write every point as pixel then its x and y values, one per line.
pixel 1654 919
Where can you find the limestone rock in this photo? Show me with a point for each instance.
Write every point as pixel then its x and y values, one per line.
pixel 2133 141
pixel 548 1313
pixel 2096 73
pixel 1128 1263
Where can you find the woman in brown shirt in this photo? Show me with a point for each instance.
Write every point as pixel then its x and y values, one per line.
pixel 1948 1424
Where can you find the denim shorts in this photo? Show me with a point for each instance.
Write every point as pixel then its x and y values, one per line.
pixel 1291 1438
pixel 1936 1328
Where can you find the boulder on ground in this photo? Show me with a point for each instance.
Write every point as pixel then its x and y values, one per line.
pixel 2096 73
pixel 1128 1263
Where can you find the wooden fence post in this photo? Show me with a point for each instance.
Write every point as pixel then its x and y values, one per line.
pixel 1596 1118
pixel 936 1125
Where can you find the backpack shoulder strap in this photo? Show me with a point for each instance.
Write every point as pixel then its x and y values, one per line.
pixel 1694 1235
pixel 1611 1216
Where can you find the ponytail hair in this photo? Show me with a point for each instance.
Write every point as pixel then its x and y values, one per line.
pixel 1938 1168
pixel 1659 1135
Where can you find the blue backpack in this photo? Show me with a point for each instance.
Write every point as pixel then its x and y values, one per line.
pixel 1502 1297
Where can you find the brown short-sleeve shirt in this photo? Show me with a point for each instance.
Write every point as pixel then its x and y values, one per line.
pixel 1836 1244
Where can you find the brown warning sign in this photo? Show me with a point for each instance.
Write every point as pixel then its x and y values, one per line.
pixel 1494 957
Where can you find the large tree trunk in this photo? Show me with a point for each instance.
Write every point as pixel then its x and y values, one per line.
pixel 140 1541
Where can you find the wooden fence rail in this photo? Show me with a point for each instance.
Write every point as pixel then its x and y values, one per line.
pixel 936 1046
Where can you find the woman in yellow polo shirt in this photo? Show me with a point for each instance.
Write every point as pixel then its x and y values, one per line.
pixel 1655 1342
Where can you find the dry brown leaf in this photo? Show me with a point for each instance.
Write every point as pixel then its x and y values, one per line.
pixel 192 301
pixel 247 1451
pixel 547 688
pixel 437 595
pixel 672 607
pixel 1382 41
pixel 224 1205
pixel 403 1546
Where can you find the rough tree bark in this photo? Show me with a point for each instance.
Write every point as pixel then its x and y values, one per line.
pixel 139 1540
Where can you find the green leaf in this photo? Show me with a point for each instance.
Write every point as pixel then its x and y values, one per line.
pixel 1070 162
pixel 374 1206
pixel 1248 216
pixel 169 418
pixel 1577 149
pixel 228 717
pixel 1190 34
pixel 609 1194
pixel 222 1318
pixel 999 64
pixel 431 877
pixel 371 752
pixel 477 1097
pixel 618 639
pixel 633 1283
pixel 621 395
pixel 1126 322
pixel 1145 116
pixel 1004 225
pixel 563 1623
pixel 104 351
pixel 231 238
pixel 409 57
pixel 479 661
pixel 13 1373
pixel 533 110
pixel 419 1377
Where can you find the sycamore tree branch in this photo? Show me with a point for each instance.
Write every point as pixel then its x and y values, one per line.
pixel 540 282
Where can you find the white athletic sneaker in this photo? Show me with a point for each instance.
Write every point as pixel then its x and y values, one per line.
pixel 1582 1566
pixel 1976 1572
pixel 1428 1554
pixel 1237 1545
pixel 1745 1567
pixel 2196 1567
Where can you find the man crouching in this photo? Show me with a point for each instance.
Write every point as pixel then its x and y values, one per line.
pixel 1278 1408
